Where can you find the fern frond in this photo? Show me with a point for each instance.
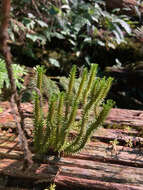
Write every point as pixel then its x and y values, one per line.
pixel 92 74
pixel 84 120
pixel 81 86
pixel 92 127
pixel 38 136
pixel 38 113
pixel 69 92
pixel 59 118
pixel 52 109
pixel 105 86
pixel 68 125
pixel 50 122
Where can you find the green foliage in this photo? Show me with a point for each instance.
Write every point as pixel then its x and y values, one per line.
pixel 52 187
pixel 49 87
pixel 69 18
pixel 1 110
pixel 76 23
pixel 53 132
pixel 18 72
pixel 38 114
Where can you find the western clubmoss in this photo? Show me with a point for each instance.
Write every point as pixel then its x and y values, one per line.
pixel 53 134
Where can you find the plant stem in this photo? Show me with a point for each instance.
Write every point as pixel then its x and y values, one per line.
pixel 5 12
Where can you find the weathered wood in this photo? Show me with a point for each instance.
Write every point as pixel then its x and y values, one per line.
pixel 116 116
pixel 76 172
pixel 65 183
pixel 122 4
pixel 103 164
pixel 125 117
pixel 96 151
pixel 98 166
pixel 90 173
pixel 104 152
pixel 123 138
pixel 14 168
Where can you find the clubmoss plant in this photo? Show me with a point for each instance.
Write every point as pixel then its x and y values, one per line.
pixel 52 187
pixel 53 132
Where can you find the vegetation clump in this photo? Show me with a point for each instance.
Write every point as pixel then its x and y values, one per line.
pixel 53 133
pixel 18 72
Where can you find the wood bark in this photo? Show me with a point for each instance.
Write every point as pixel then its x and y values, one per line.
pixel 98 166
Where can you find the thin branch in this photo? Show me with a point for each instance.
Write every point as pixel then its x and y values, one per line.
pixel 4 37
pixel 36 8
